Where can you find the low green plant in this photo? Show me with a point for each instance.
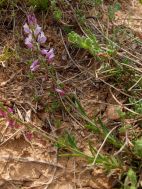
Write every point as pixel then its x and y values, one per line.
pixel 138 147
pixel 40 4
pixel 130 180
pixel 113 9
pixel 57 13
pixel 91 44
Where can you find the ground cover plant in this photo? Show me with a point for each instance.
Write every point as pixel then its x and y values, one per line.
pixel 71 94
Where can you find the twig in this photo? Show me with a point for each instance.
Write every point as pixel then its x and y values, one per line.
pixel 9 80
pixel 30 160
pixel 103 144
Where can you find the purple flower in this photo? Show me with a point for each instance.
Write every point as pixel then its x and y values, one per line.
pixel 29 135
pixel 10 110
pixel 31 19
pixel 41 38
pixel 11 123
pixel 44 52
pixel 28 41
pixel 37 30
pixel 60 91
pixel 49 54
pixel 26 28
pixel 34 66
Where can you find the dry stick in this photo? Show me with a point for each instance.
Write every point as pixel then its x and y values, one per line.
pixel 76 18
pixel 135 84
pixel 66 80
pixel 120 48
pixel 127 141
pixel 70 113
pixel 103 144
pixel 30 160
pixel 9 80
pixel 122 105
pixel 11 136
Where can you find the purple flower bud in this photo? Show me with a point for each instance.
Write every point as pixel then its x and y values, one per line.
pixel 34 66
pixel 28 41
pixel 10 110
pixel 50 55
pixel 41 38
pixel 60 91
pixel 26 28
pixel 31 19
pixel 37 30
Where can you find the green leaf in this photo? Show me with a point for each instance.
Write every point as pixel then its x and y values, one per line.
pixel 71 140
pixel 131 180
pixel 138 147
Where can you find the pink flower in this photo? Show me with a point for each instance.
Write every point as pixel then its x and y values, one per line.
pixel 26 28
pixel 10 110
pixel 41 38
pixel 49 54
pixel 29 135
pixel 28 41
pixel 60 91
pixel 37 30
pixel 11 123
pixel 44 52
pixel 34 66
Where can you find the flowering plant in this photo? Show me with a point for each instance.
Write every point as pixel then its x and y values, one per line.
pixel 35 38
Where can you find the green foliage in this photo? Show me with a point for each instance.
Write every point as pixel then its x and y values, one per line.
pixel 131 180
pixel 111 138
pixel 113 9
pixel 40 4
pixel 67 140
pixel 138 147
pixel 57 13
pixel 88 43
pixel 78 106
pixel 137 105
pixel 108 162
pixel 2 2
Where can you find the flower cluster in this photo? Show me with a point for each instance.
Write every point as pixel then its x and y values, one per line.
pixel 5 114
pixel 35 38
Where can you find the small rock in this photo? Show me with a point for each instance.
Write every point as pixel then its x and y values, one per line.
pixel 113 112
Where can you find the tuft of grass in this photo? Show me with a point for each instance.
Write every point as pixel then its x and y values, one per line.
pixel 40 4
